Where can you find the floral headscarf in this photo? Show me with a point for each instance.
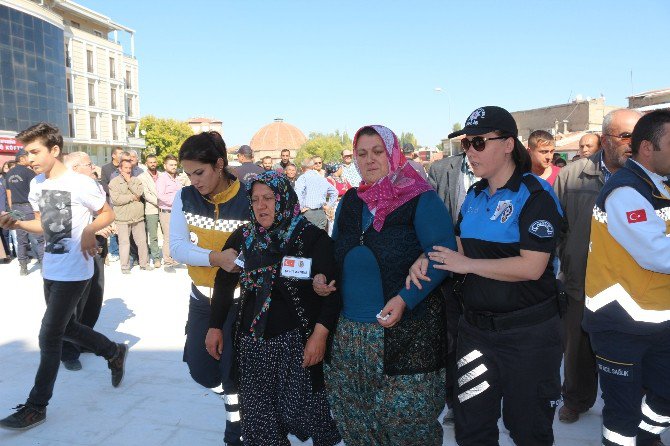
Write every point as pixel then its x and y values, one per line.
pixel 400 185
pixel 264 248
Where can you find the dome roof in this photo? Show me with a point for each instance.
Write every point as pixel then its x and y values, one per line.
pixel 276 136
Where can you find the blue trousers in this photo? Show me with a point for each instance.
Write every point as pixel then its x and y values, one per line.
pixel 635 382
pixel 206 370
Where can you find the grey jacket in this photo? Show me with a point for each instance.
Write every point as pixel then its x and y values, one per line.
pixel 447 179
pixel 577 188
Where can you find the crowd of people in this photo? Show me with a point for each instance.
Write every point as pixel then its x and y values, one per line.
pixel 353 300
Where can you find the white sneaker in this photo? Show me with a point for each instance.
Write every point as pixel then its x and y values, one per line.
pixel 112 258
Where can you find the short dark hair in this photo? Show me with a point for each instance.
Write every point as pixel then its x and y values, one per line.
pixel 266 157
pixel 170 158
pixel 48 134
pixel 650 128
pixel 206 148
pixel 539 137
pixel 285 150
pixel 117 149
pixel 151 155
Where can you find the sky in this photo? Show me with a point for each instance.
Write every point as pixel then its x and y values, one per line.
pixel 325 65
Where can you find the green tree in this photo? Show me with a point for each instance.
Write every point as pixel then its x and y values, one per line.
pixel 406 138
pixel 457 126
pixel 328 146
pixel 164 136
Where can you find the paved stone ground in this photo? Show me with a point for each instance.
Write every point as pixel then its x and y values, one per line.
pixel 157 403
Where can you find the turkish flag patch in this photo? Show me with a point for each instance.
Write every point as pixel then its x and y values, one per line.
pixel 289 263
pixel 636 216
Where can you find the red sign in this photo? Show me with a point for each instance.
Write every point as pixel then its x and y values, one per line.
pixel 636 216
pixel 290 263
pixel 9 145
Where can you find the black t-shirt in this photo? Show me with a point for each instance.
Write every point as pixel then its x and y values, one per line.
pixel 18 182
pixel 500 226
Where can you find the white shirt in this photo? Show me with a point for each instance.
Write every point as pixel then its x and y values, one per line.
pixel 66 205
pixel 182 249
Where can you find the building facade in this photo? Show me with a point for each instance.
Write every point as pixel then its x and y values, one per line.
pixel 650 100
pixel 199 125
pixel 74 73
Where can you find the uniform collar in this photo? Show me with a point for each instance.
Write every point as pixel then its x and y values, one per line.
pixel 512 184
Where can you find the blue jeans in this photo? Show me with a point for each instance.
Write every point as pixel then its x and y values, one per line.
pixel 59 323
pixel 24 238
pixel 114 245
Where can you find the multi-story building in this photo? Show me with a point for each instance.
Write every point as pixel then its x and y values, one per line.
pixel 650 100
pixel 199 125
pixel 63 63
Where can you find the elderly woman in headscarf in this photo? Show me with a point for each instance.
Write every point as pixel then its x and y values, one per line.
pixel 386 378
pixel 282 327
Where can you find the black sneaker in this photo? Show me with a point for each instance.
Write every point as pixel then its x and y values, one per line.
pixel 72 364
pixel 117 364
pixel 26 416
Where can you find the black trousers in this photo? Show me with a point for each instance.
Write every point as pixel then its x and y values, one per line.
pixel 519 367
pixel 580 384
pixel 453 314
pixel 59 323
pixel 88 308
pixel 627 364
pixel 207 371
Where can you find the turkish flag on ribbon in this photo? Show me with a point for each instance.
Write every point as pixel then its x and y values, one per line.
pixel 636 216
pixel 289 262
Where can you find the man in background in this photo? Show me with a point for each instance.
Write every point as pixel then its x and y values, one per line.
pixel 148 179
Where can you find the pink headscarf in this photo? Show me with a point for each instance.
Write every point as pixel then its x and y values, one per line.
pixel 400 185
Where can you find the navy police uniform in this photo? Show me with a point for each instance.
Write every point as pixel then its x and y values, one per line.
pixel 509 346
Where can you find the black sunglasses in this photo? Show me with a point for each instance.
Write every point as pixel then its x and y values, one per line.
pixel 478 143
pixel 622 136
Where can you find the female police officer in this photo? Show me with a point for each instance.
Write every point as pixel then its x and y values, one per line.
pixel 508 338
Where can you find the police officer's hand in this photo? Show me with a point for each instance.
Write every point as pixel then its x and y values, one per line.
pixel 392 312
pixel 449 260
pixel 214 342
pixel 315 347
pixel 225 260
pixel 417 272
pixel 321 287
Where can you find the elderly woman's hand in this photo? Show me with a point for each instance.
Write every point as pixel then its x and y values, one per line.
pixel 315 347
pixel 417 272
pixel 450 260
pixel 392 312
pixel 214 343
pixel 321 287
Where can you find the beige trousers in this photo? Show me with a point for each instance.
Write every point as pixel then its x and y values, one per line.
pixel 139 235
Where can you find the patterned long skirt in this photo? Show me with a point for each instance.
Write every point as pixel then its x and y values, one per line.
pixel 276 397
pixel 372 408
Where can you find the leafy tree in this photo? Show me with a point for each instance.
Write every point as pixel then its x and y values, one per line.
pixel 328 146
pixel 457 126
pixel 408 138
pixel 164 136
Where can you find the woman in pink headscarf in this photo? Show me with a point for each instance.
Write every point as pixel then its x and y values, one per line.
pixel 386 376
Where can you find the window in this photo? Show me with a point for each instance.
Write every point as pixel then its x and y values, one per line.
pixel 129 84
pixel 94 127
pixel 89 60
pixel 112 68
pixel 129 106
pixel 75 24
pixel 91 93
pixel 115 129
pixel 68 60
pixel 72 126
pixel 97 33
pixel 113 95
pixel 69 90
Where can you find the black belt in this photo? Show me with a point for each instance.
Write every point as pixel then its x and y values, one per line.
pixel 525 317
pixel 167 211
